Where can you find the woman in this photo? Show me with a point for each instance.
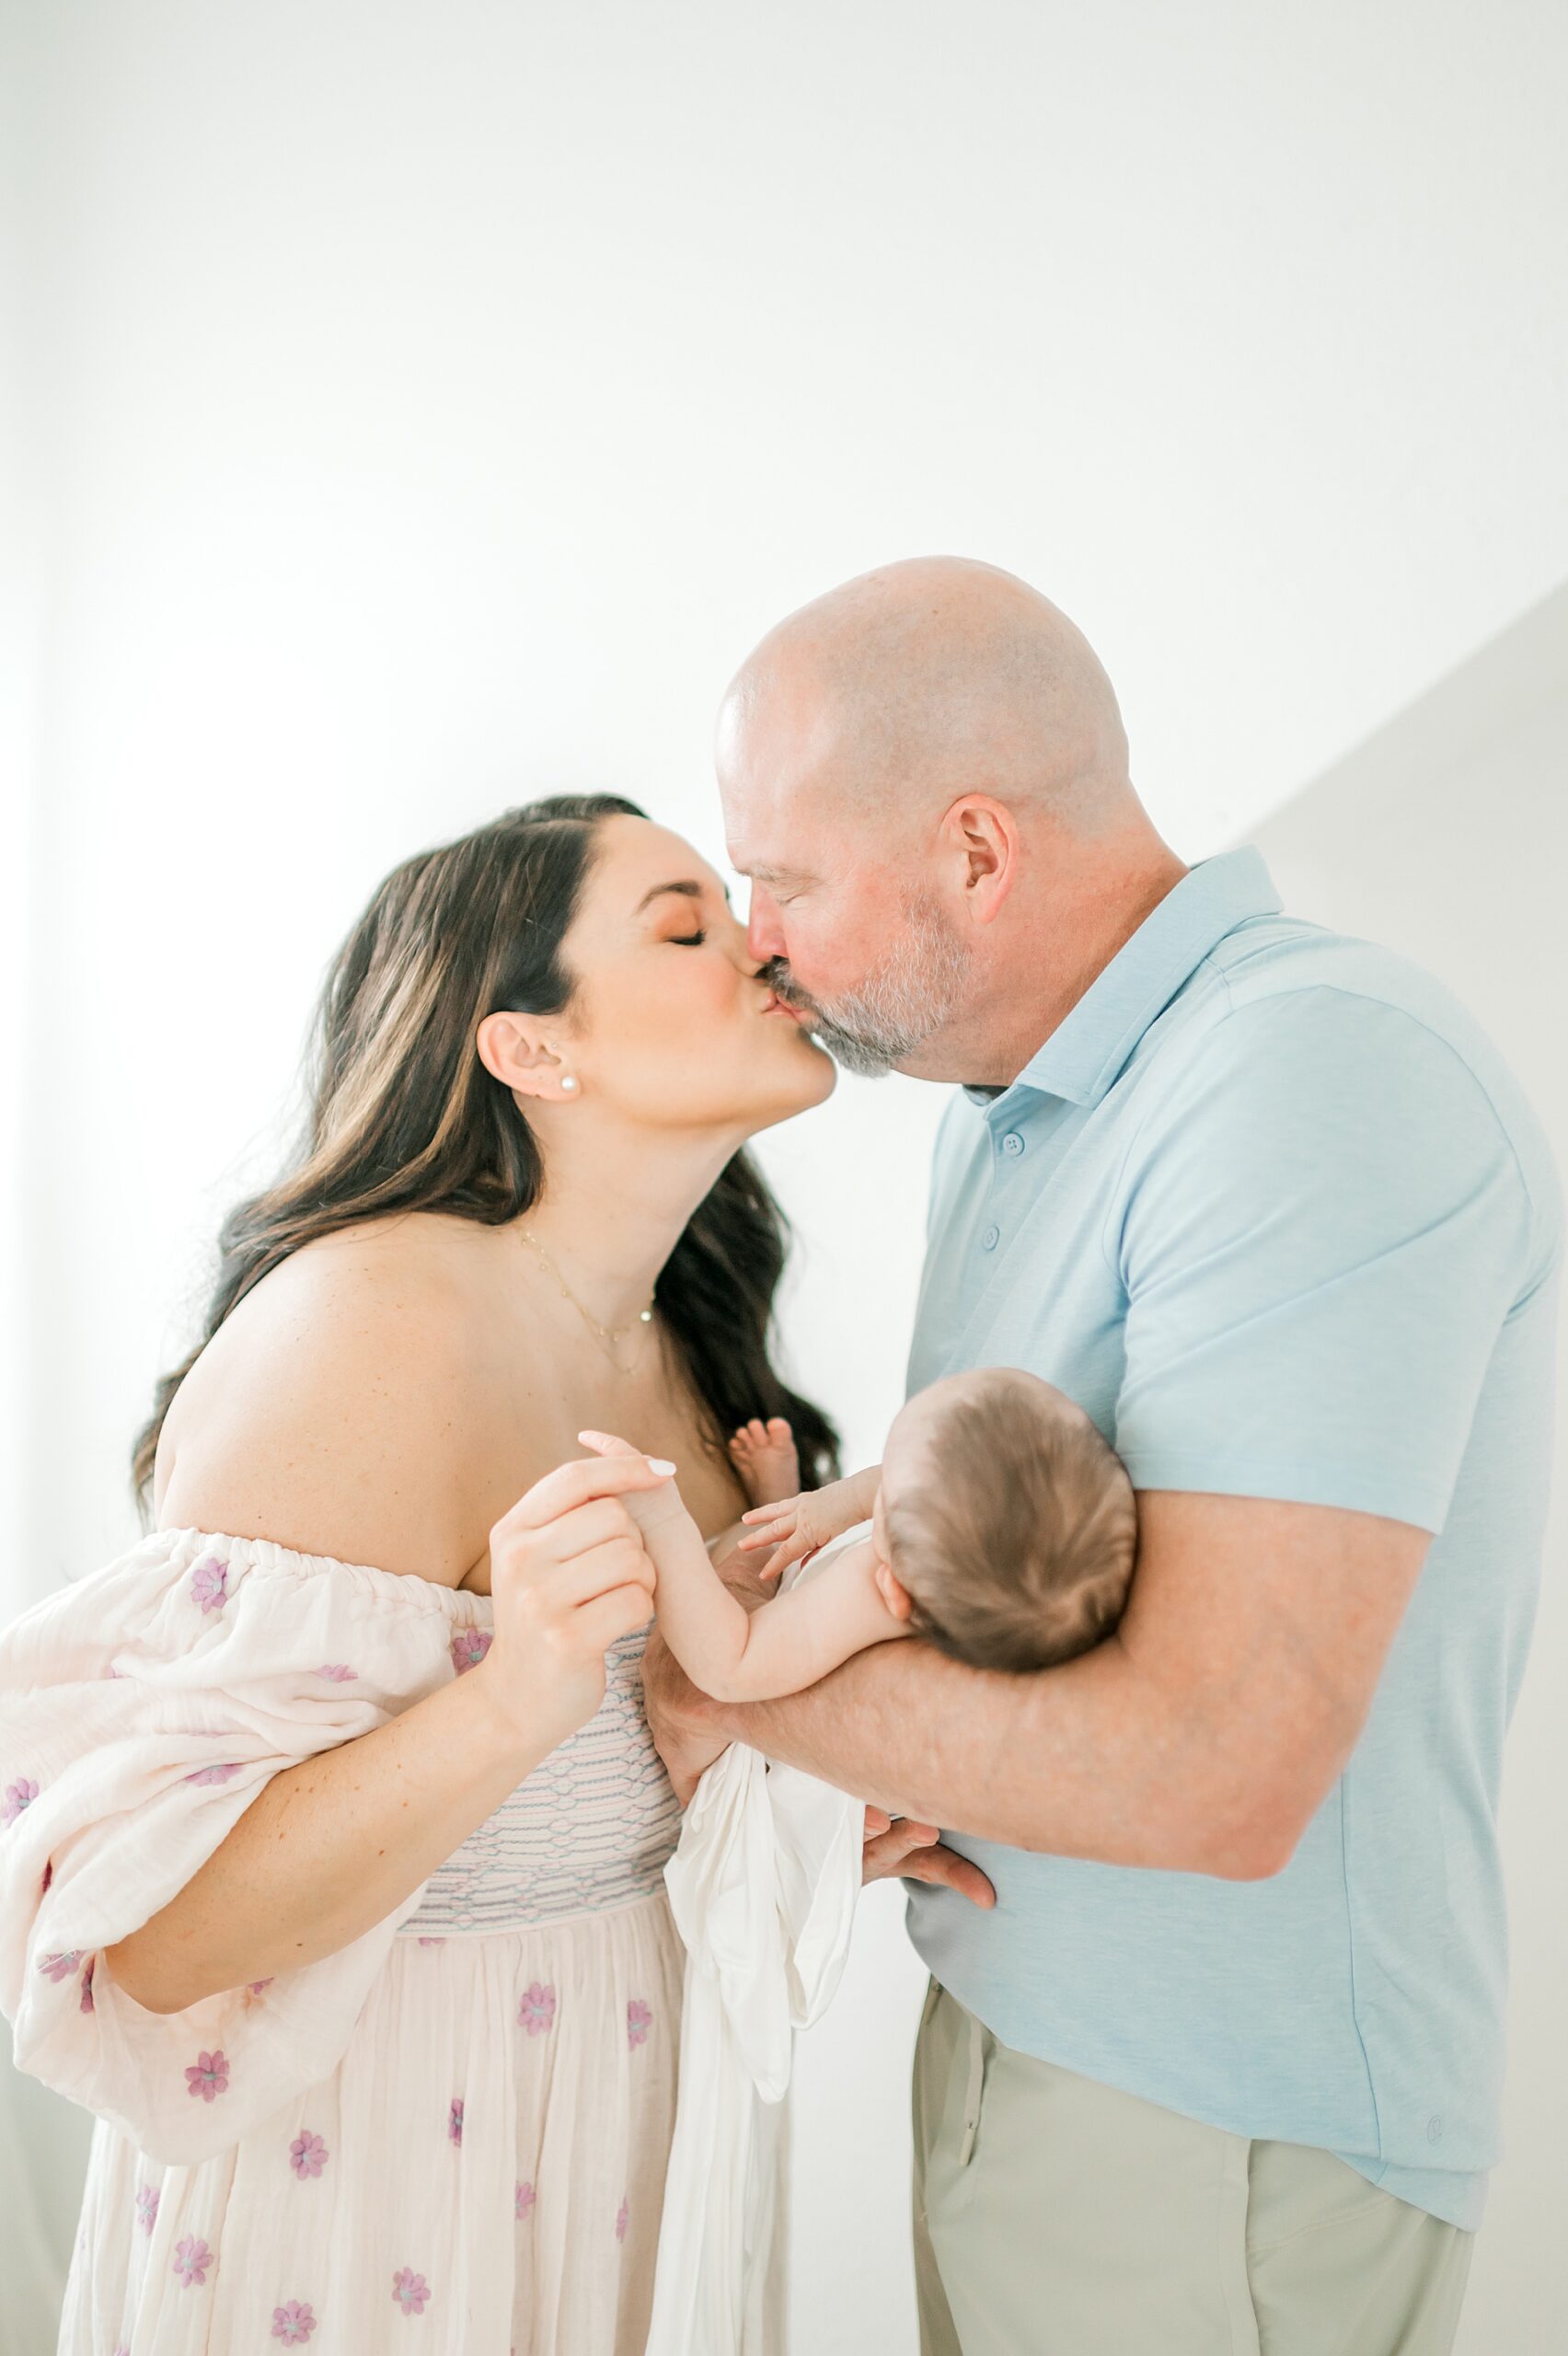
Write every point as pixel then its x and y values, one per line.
pixel 333 1844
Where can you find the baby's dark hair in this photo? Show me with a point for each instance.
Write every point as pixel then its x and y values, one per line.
pixel 1016 1542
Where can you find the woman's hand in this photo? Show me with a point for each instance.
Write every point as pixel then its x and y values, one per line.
pixel 570 1575
pixel 660 1511
pixel 798 1526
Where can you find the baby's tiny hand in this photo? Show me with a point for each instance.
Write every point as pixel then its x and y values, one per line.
pixel 655 1511
pixel 764 1455
pixel 795 1526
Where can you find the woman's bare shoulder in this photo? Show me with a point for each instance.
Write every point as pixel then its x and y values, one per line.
pixel 341 1407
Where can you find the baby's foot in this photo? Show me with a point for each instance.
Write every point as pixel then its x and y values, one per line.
pixel 764 1455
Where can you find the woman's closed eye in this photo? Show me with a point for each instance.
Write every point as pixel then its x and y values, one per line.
pixel 688 940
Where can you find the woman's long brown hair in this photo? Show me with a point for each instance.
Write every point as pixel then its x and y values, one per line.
pixel 403 1116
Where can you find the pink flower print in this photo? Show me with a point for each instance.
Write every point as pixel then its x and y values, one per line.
pixel 638 2021
pixel 214 1774
pixel 623 2218
pixel 18 1795
pixel 409 2291
pixel 146 2206
pixel 191 2260
pixel 208 2076
pixel 522 2199
pixel 455 2120
pixel 294 2323
pixel 431 1943
pixel 339 1672
pixel 87 2005
pixel 209 1584
pixel 256 1986
pixel 61 1967
pixel 469 1647
pixel 307 2154
pixel 537 2009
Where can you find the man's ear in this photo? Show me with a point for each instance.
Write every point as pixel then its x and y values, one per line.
pixel 985 833
pixel 515 1050
pixel 894 1593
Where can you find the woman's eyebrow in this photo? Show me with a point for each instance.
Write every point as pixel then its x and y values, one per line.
pixel 688 888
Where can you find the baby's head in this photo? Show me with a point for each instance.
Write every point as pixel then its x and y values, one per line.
pixel 1006 1520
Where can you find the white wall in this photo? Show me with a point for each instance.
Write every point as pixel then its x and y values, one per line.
pixel 425 408
pixel 41 2139
pixel 440 401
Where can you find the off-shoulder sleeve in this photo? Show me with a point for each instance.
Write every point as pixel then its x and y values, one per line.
pixel 141 1710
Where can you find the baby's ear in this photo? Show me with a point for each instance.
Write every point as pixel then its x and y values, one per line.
pixel 894 1593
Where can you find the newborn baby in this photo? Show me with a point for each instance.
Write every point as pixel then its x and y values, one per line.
pixel 1001 1527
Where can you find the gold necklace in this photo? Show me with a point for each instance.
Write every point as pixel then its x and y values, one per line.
pixel 608 1334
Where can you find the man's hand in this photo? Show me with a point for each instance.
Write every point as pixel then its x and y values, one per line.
pixel 914 1852
pixel 683 1722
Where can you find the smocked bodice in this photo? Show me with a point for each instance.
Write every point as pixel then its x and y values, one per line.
pixel 590 1827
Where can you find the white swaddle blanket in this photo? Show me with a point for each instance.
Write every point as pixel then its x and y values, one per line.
pixel 763 1888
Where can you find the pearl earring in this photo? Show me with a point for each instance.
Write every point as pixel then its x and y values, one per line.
pixel 568 1083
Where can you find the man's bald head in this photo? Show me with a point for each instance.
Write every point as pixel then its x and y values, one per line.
pixel 930 678
pixel 925 777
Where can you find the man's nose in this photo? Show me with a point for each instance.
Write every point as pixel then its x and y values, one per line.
pixel 765 928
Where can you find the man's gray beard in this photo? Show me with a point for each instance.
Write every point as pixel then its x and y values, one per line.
pixel 898 1006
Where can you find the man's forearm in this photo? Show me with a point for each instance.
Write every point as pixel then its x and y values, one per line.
pixel 1085 1760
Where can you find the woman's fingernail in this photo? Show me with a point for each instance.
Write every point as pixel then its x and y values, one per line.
pixel 659 1464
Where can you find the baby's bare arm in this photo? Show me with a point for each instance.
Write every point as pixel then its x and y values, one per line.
pixel 783 1646
pixel 801 1636
pixel 740 1655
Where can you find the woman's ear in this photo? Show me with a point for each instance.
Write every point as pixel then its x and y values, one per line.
pixel 513 1050
pixel 894 1593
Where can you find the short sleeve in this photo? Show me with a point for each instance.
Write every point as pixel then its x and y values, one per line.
pixel 1325 1229
pixel 141 1710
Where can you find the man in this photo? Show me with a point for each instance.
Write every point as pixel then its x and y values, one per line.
pixel 1219 2071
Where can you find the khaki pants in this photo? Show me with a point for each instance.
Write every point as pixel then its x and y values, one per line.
pixel 1056 2217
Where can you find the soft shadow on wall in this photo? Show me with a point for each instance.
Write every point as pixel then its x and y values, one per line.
pixel 1446 836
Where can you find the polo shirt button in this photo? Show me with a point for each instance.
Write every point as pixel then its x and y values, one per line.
pixel 1012 1142
pixel 990 1240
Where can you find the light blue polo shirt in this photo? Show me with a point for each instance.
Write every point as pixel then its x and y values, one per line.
pixel 1272 1208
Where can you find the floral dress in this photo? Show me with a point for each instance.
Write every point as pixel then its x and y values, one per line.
pixel 452 2135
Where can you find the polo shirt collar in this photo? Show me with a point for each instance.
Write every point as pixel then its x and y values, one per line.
pixel 1091 1044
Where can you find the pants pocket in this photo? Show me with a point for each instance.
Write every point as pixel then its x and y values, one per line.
pixel 972 2054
